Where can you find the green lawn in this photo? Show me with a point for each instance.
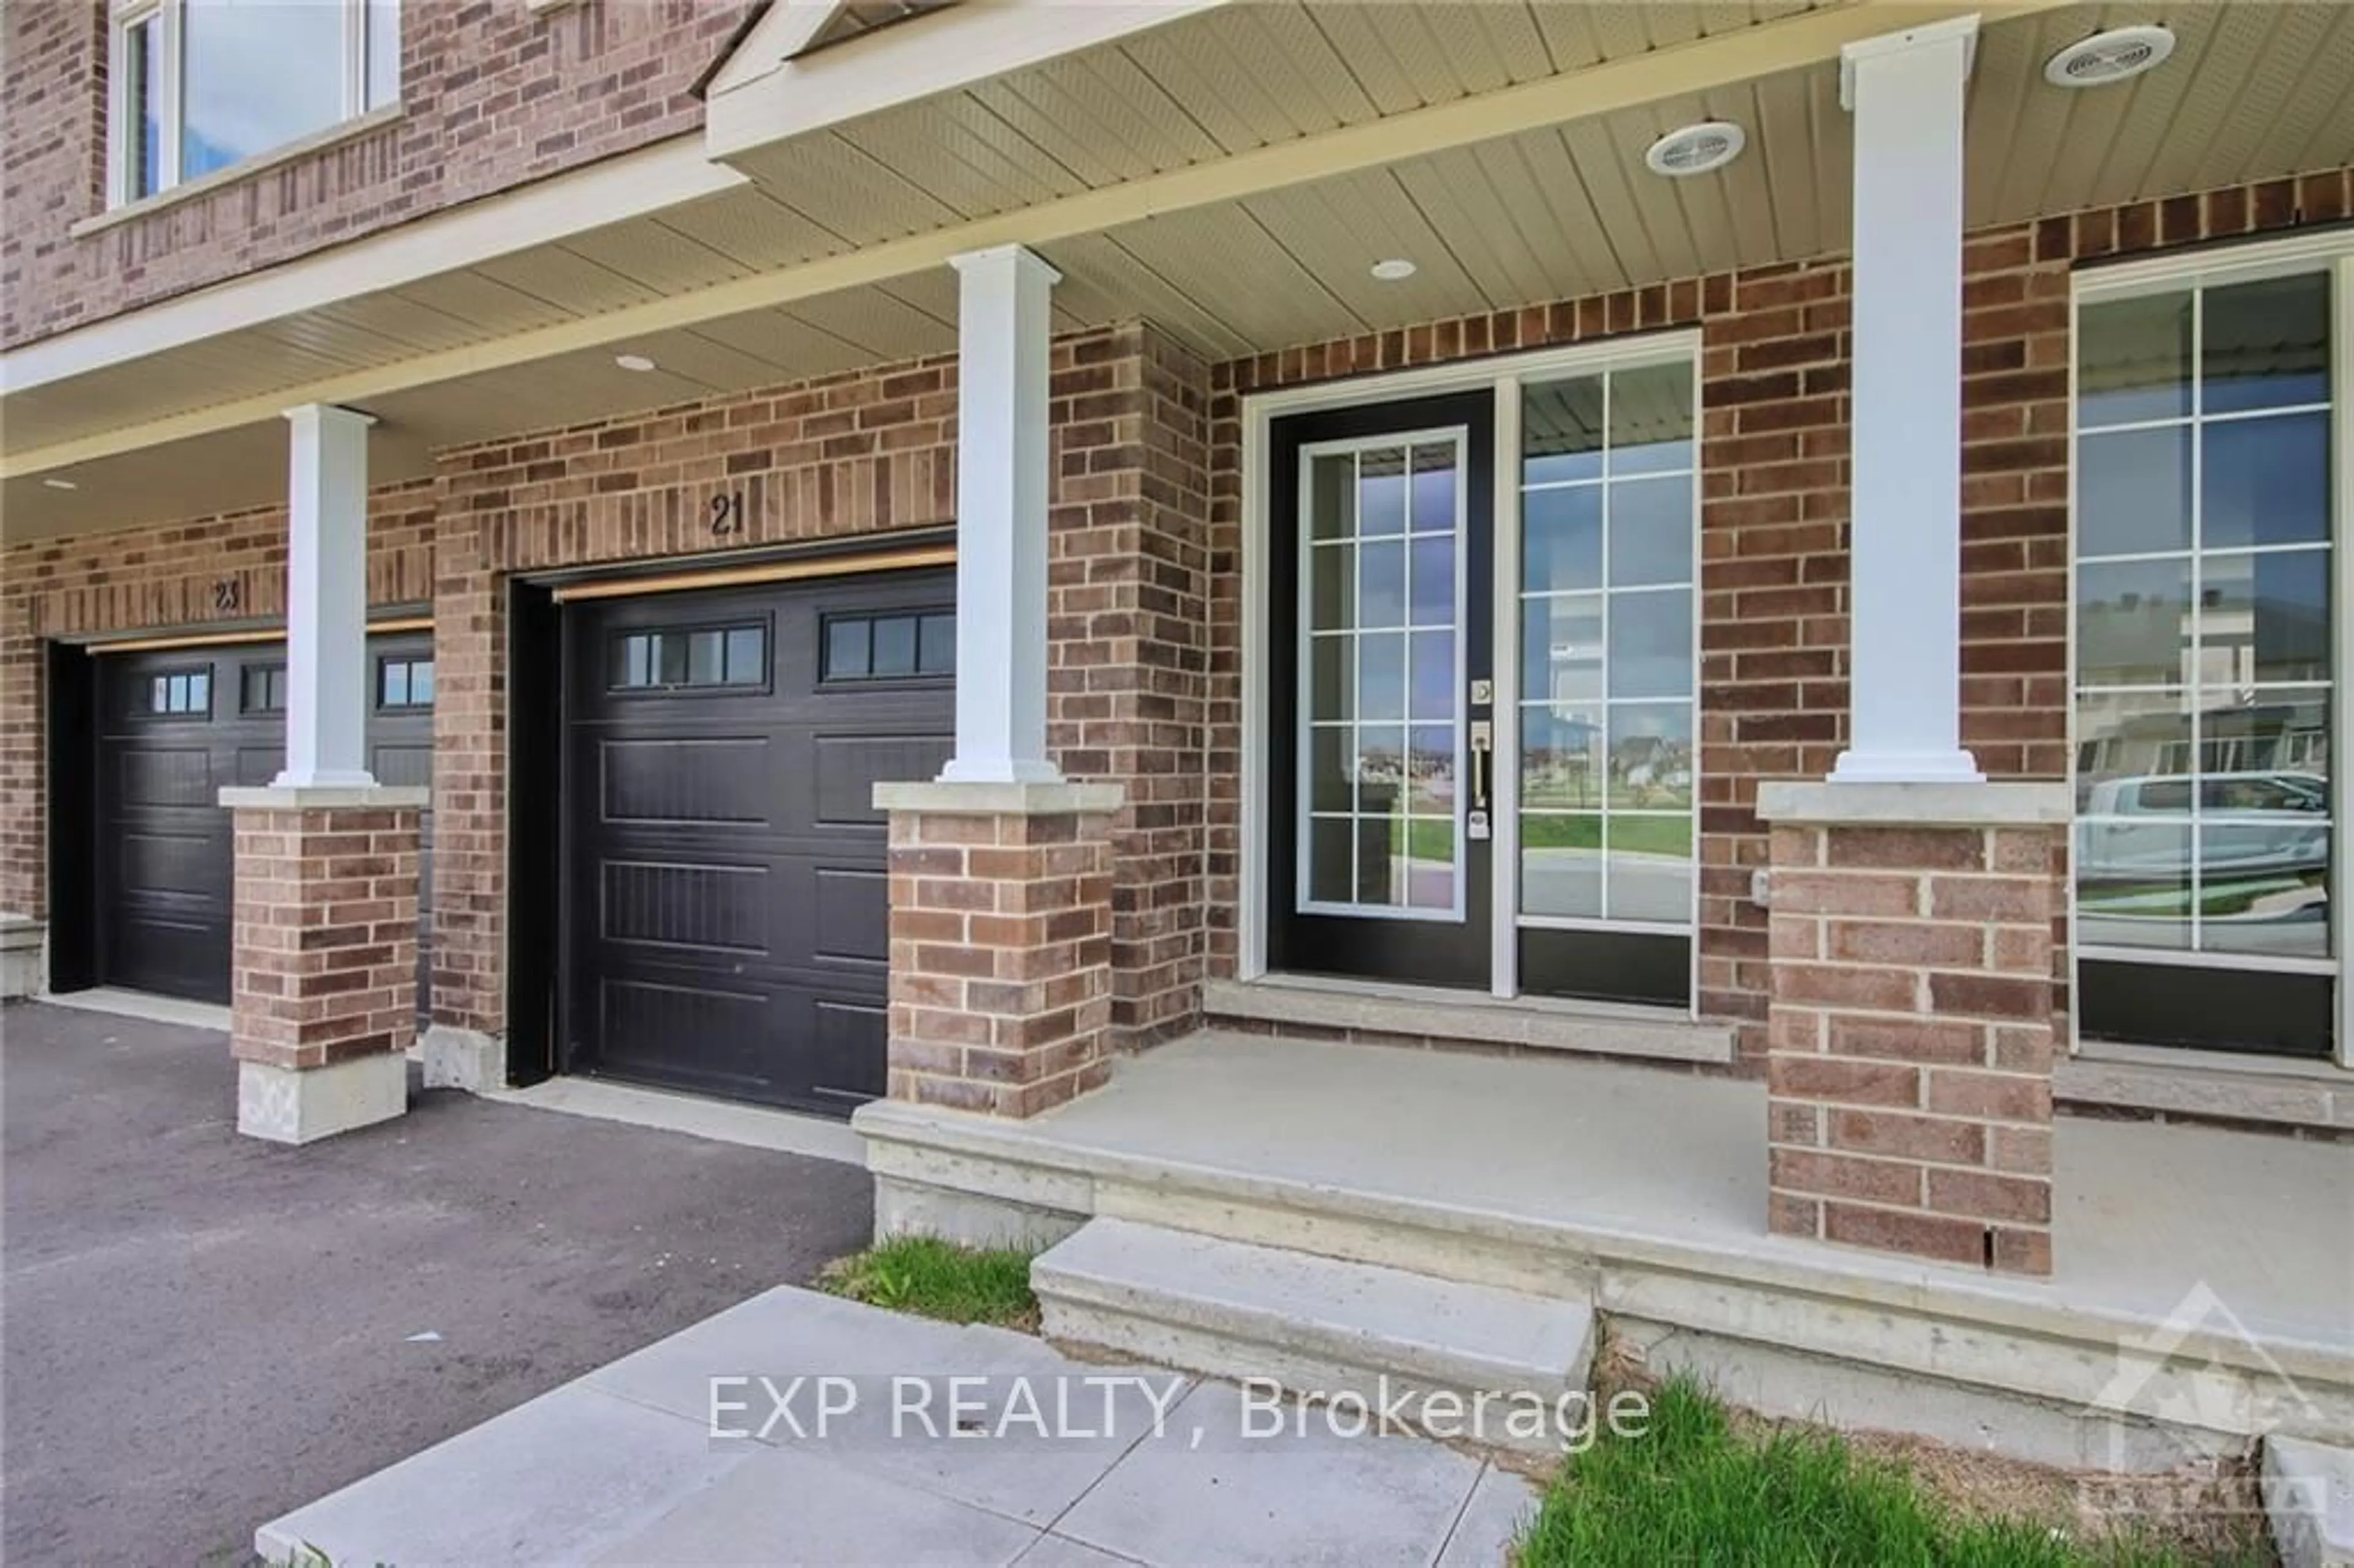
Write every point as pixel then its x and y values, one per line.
pixel 1694 1491
pixel 935 1278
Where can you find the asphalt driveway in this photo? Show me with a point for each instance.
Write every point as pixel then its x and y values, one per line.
pixel 203 1331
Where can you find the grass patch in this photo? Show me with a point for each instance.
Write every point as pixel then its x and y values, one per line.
pixel 1701 1488
pixel 934 1279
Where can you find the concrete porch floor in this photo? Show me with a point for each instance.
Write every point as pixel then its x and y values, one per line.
pixel 1648 1186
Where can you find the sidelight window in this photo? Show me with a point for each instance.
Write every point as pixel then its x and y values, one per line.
pixel 1609 505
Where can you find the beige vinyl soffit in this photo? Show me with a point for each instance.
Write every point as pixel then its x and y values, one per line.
pixel 1611 86
pixel 663 175
pixel 765 94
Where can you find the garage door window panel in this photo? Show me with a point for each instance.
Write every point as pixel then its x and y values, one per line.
pixel 183 693
pixel 896 646
pixel 686 659
pixel 264 689
pixel 403 683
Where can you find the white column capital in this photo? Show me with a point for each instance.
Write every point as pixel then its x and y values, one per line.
pixel 1018 260
pixel 317 415
pixel 1962 30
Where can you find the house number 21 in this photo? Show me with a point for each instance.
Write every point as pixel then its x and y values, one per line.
pixel 727 513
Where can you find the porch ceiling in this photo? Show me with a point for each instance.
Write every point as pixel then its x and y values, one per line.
pixel 1566 208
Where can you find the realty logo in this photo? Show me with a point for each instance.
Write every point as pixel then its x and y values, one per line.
pixel 2199 1383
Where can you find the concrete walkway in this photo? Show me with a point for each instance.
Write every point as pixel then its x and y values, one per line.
pixel 1044 1460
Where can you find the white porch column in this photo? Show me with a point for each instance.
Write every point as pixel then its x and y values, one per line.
pixel 1003 332
pixel 1904 587
pixel 326 600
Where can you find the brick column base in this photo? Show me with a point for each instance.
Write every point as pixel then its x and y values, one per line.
pixel 1910 1033
pixel 323 958
pixel 1000 943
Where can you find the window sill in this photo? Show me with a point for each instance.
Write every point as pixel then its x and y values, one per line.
pixel 202 185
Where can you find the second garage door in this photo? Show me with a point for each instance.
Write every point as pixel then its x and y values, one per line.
pixel 174 727
pixel 726 908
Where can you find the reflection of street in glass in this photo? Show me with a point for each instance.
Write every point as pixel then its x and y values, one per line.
pixel 2248 871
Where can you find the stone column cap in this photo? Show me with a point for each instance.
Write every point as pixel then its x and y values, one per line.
pixel 325 797
pixel 970 799
pixel 1812 801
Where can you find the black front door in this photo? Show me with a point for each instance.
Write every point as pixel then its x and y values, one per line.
pixel 724 909
pixel 1381 631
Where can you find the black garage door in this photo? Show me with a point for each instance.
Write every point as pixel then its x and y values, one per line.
pixel 174 727
pixel 724 909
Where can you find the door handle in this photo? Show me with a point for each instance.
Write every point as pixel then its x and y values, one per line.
pixel 1483 749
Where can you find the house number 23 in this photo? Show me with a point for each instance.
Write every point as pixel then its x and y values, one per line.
pixel 727 513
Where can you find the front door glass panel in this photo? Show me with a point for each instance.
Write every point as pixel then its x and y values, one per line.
pixel 1381 659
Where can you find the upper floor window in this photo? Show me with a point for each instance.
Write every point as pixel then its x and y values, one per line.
pixel 200 85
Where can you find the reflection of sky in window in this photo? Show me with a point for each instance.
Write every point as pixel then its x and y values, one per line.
pixel 258 76
pixel 2266 481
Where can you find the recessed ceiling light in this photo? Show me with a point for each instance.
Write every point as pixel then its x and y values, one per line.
pixel 61 484
pixel 2108 57
pixel 1696 149
pixel 633 361
pixel 1396 270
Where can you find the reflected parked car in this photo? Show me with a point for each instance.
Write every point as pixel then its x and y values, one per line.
pixel 2139 828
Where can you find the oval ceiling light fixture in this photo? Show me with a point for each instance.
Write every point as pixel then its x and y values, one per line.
pixel 633 361
pixel 1395 269
pixel 1696 149
pixel 2108 57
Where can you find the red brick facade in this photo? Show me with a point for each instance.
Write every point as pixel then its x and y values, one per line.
pixel 864 453
pixel 1909 1082
pixel 1001 957
pixel 1774 518
pixel 1146 594
pixel 324 965
pixel 228 570
pixel 492 95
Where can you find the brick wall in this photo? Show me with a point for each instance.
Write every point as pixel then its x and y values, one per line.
pixel 166 576
pixel 325 948
pixel 1774 521
pixel 1127 628
pixel 1001 957
pixel 861 453
pixel 493 94
pixel 1909 1084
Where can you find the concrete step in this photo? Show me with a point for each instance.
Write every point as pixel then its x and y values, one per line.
pixel 1447 1018
pixel 1317 1326
pixel 2309 1490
